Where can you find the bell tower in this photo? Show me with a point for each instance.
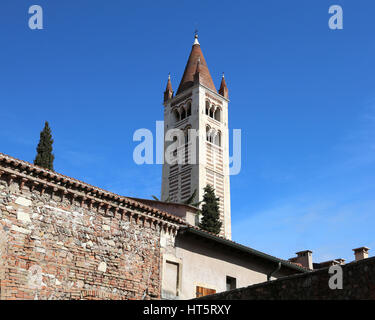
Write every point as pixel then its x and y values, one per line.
pixel 201 113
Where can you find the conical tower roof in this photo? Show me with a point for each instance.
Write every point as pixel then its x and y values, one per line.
pixel 187 80
pixel 223 88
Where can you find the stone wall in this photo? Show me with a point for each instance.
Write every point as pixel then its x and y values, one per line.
pixel 58 242
pixel 358 283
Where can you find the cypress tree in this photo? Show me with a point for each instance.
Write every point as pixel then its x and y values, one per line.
pixel 44 157
pixel 210 211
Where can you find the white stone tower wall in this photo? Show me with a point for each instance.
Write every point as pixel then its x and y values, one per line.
pixel 209 169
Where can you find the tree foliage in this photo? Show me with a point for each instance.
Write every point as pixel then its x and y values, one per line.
pixel 44 157
pixel 210 211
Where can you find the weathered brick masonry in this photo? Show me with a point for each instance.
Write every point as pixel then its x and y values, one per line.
pixel 358 283
pixel 63 239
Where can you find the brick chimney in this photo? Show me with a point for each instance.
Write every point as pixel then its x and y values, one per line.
pixel 304 258
pixel 361 253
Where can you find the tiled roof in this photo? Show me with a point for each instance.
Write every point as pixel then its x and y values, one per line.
pixel 49 174
pixel 187 80
pixel 150 202
pixel 223 88
pixel 241 247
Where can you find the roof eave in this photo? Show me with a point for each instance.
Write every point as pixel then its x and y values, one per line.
pixel 241 248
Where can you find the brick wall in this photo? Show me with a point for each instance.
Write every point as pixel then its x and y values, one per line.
pixel 55 250
pixel 358 283
pixel 63 239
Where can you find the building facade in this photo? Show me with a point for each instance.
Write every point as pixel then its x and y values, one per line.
pixel 61 238
pixel 196 263
pixel 200 154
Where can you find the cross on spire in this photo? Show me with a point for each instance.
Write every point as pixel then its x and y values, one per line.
pixel 196 37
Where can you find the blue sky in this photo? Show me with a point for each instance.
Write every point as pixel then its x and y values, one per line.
pixel 303 95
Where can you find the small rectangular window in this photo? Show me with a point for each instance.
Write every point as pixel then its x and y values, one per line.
pixel 231 283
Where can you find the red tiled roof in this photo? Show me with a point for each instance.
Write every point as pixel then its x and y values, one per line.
pixel 187 80
pixel 169 84
pixel 223 88
pixel 58 176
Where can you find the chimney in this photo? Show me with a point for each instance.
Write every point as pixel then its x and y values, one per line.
pixel 304 258
pixel 361 253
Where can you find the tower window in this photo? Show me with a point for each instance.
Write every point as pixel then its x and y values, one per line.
pixel 211 135
pixel 218 139
pixel 188 110
pixel 217 114
pixel 208 133
pixel 176 115
pixel 213 111
pixel 183 113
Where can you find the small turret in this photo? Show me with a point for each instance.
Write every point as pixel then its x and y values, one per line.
pixel 223 88
pixel 168 93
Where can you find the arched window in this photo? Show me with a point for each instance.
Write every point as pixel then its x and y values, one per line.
pixel 212 135
pixel 217 114
pixel 188 109
pixel 176 115
pixel 183 113
pixel 207 107
pixel 208 133
pixel 212 111
pixel 218 139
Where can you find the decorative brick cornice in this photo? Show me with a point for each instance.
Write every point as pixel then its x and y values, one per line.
pixel 81 193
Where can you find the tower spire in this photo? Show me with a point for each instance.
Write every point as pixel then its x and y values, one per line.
pixel 168 93
pixel 223 87
pixel 188 77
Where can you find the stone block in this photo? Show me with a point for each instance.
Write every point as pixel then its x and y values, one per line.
pixel 23 202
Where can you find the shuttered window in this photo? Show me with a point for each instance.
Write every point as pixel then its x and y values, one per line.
pixel 201 291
